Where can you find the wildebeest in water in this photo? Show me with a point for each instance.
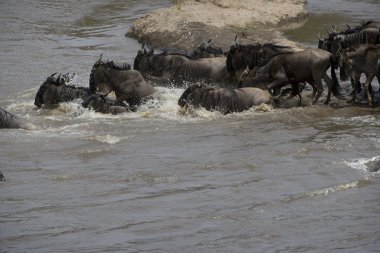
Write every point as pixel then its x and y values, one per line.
pixel 55 90
pixel 100 103
pixel 308 66
pixel 179 69
pixel 129 85
pixel 252 55
pixel 9 120
pixel 224 100
pixel 364 59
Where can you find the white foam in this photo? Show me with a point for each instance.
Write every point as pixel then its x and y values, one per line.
pixel 109 139
pixel 332 189
pixel 362 163
pixel 357 121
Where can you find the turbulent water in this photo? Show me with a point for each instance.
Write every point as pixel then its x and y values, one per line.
pixel 161 180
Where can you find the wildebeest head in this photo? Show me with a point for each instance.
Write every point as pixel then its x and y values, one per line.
pixel 141 61
pixel 241 56
pixel 95 101
pixel 191 96
pixel 206 50
pixel 46 91
pixel 101 72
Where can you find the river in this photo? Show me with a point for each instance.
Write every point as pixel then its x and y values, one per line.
pixel 156 180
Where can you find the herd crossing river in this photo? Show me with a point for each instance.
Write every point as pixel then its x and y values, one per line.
pixel 156 179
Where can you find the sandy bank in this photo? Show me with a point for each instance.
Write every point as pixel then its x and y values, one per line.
pixel 189 22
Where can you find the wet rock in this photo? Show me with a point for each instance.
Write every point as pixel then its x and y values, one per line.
pixel 373 166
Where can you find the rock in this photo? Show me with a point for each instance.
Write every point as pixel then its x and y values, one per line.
pixel 188 23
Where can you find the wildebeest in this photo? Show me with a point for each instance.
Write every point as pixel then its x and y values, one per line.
pixel 365 59
pixel 55 90
pixel 129 85
pixel 224 100
pixel 2 178
pixel 179 69
pixel 204 50
pixel 367 33
pixel 308 66
pixel 100 103
pixel 9 120
pixel 240 56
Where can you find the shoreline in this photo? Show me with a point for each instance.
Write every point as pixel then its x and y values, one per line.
pixel 186 24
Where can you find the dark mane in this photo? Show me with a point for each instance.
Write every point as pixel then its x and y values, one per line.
pixel 365 36
pixel 117 66
pixel 107 64
pixel 365 23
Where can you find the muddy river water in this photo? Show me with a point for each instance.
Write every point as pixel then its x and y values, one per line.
pixel 156 180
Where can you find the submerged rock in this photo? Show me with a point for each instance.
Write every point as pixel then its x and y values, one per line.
pixel 373 165
pixel 188 23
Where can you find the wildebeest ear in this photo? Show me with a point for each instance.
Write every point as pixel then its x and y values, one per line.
pixel 236 42
pixel 144 48
pixel 319 37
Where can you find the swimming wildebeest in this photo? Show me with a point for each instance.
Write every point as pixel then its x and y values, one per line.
pixel 129 85
pixel 224 100
pixel 308 66
pixel 2 178
pixel 179 69
pixel 365 59
pixel 56 90
pixel 9 120
pixel 100 103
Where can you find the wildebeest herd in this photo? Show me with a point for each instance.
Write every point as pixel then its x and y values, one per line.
pixel 245 76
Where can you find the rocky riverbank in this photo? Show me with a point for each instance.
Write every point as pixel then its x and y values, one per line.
pixel 189 22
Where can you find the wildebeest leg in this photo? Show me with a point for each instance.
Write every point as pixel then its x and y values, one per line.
pixel 319 89
pixel 277 84
pixel 329 87
pixel 357 86
pixel 367 89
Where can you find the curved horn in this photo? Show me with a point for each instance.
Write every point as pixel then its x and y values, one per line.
pixel 236 41
pixel 59 79
pixel 349 28
pixel 145 48
pixel 319 36
pixel 54 74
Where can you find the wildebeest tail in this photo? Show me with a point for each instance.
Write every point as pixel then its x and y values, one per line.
pixel 335 84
